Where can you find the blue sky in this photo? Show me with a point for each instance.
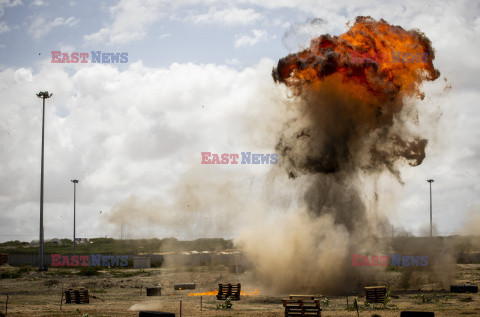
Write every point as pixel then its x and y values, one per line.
pixel 196 33
pixel 198 78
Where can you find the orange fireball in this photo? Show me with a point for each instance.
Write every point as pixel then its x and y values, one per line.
pixel 351 89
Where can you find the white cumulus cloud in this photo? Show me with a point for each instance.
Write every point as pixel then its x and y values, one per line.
pixel 130 132
pixel 4 27
pixel 39 3
pixel 247 40
pixel 41 27
pixel 7 4
pixel 130 20
pixel 229 16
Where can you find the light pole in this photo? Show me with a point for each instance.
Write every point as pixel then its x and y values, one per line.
pixel 430 181
pixel 75 182
pixel 44 95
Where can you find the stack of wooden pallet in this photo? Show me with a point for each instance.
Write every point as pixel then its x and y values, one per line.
pixel 376 294
pixel 302 305
pixel 77 296
pixel 229 290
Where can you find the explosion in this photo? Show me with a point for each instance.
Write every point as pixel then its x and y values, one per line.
pixel 352 87
pixel 354 96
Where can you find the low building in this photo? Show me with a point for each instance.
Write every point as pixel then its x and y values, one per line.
pixel 82 240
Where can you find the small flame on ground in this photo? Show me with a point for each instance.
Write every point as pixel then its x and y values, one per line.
pixel 212 293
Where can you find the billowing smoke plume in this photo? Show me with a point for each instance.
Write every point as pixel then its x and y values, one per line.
pixel 354 96
pixel 351 88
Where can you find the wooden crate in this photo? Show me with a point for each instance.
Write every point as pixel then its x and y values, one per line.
pixel 155 313
pixel 302 307
pixel 181 286
pixel 229 290
pixel 417 314
pixel 302 297
pixel 77 296
pixel 463 288
pixel 154 291
pixel 376 294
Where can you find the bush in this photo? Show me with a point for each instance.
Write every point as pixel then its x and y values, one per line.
pixel 124 274
pixel 88 271
pixel 51 282
pixel 156 264
pixel 466 299
pixel 61 272
pixel 15 273
pixel 228 304
pixel 387 297
pixel 10 274
pixel 25 269
pixel 326 301
pixel 391 268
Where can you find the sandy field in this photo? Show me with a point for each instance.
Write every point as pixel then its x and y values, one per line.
pixel 121 292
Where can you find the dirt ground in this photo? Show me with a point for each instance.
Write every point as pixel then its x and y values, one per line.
pixel 121 292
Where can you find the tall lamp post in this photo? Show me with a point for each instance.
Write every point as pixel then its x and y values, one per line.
pixel 75 182
pixel 430 181
pixel 44 95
